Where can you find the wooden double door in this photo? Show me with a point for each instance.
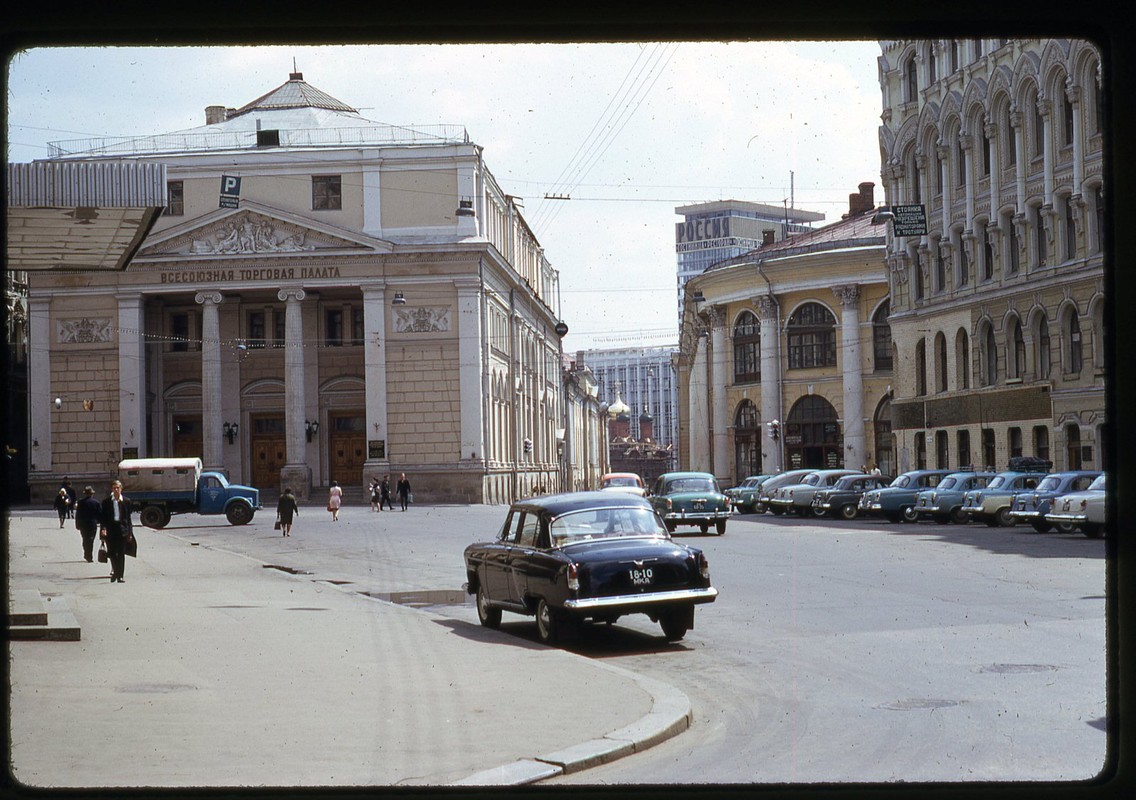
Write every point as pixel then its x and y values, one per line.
pixel 346 447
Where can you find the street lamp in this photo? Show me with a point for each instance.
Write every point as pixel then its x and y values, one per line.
pixel 311 427
pixel 229 429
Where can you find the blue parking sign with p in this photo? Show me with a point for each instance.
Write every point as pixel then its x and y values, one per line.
pixel 230 191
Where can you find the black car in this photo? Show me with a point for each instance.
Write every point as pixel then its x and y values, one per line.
pixel 596 556
pixel 841 499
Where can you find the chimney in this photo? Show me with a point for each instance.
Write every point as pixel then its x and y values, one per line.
pixel 767 236
pixel 214 114
pixel 862 201
pixel 579 359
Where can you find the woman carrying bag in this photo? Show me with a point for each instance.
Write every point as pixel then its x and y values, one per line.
pixel 285 510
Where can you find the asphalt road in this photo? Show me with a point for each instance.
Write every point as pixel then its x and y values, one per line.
pixel 837 651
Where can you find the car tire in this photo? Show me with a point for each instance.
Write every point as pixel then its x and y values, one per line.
pixel 720 526
pixel 487 615
pixel 154 517
pixel 1003 519
pixel 547 624
pixel 958 516
pixel 238 514
pixel 1041 527
pixel 818 512
pixel 941 519
pixel 909 514
pixel 1064 527
pixel 675 624
pixel 777 510
pixel 848 511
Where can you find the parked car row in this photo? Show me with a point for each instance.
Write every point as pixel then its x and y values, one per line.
pixel 1028 492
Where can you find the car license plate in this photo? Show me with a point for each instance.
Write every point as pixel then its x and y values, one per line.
pixel 699 505
pixel 642 577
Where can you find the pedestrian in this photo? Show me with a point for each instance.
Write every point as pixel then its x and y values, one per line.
pixel 286 508
pixel 334 501
pixel 373 490
pixel 115 527
pixel 403 489
pixel 385 494
pixel 71 495
pixel 62 506
pixel 87 512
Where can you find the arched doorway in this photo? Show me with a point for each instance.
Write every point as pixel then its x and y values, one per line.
pixel 812 435
pixel 747 442
pixel 884 439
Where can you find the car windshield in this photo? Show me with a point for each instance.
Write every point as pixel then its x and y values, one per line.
pixel 1049 484
pixel 948 482
pixel 622 481
pixel 1098 483
pixel 605 523
pixel 690 485
pixel 901 481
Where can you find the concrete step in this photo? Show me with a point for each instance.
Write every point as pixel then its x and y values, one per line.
pixel 34 617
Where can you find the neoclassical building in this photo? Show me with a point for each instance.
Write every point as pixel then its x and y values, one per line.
pixel 325 298
pixel 998 311
pixel 785 354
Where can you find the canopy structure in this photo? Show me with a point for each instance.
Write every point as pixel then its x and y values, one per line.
pixel 72 216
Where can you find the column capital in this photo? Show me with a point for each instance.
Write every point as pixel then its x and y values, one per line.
pixel 766 307
pixel 849 293
pixel 291 293
pixel 216 298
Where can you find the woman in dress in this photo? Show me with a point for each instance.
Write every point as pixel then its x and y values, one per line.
pixel 334 500
pixel 285 510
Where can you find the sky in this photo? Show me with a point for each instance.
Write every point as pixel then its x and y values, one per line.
pixel 627 131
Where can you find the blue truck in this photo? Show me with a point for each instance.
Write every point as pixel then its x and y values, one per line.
pixel 158 488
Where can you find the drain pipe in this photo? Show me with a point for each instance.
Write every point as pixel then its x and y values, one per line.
pixel 780 389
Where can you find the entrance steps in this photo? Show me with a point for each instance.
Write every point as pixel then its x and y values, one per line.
pixel 32 616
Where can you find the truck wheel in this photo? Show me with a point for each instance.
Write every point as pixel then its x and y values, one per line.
pixel 238 514
pixel 154 517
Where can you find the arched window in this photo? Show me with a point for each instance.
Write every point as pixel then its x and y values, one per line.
pixel 1074 358
pixel 881 338
pixel 1066 119
pixel 747 348
pixel 921 368
pixel 812 337
pixel 1073 446
pixel 962 359
pixel 1016 350
pixel 1041 249
pixel 1038 126
pixel 747 441
pixel 1013 262
pixel 989 357
pixel 911 80
pixel 942 450
pixel 1042 350
pixel 1070 228
pixel 940 363
pixel 812 435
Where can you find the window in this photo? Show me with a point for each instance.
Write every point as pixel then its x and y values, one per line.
pixel 357 326
pixel 1041 249
pixel 954 55
pixel 940 266
pixel 881 339
pixel 985 154
pixel 256 331
pixel 963 448
pixel 917 277
pixel 1015 442
pixel 1070 230
pixel 989 452
pixel 1013 251
pixel 942 450
pixel 921 450
pixel 1073 446
pixel 1041 441
pixel 179 332
pixel 747 349
pixel 1073 361
pixel 990 357
pixel 1066 119
pixel 175 199
pixel 1011 137
pixel 940 363
pixel 911 80
pixel 962 359
pixel 978 48
pixel 327 192
pixel 1038 128
pixel 278 319
pixel 333 327
pixel 960 163
pixel 921 368
pixel 1043 349
pixel 963 275
pixel 1098 214
pixel 986 250
pixel 1017 342
pixel 812 337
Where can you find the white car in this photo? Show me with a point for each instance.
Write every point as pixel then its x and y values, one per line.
pixel 627 482
pixel 1084 510
pixel 797 498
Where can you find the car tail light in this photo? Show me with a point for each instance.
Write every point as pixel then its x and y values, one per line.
pixel 704 566
pixel 573 577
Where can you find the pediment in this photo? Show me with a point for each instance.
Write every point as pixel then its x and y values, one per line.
pixel 255 230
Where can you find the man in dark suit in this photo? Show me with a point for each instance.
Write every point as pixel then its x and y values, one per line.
pixel 115 525
pixel 88 513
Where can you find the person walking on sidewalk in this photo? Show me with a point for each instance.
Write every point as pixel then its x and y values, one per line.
pixel 71 495
pixel 286 508
pixel 334 501
pixel 385 494
pixel 403 490
pixel 373 491
pixel 87 512
pixel 62 506
pixel 115 527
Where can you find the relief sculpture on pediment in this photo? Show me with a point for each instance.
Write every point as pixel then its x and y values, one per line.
pixel 250 236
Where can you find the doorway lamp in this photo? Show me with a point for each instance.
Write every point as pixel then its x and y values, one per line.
pixel 229 429
pixel 311 428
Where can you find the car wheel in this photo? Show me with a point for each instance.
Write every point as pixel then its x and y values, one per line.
pixel 488 616
pixel 546 622
pixel 1003 519
pixel 720 526
pixel 1064 527
pixel 958 516
pixel 675 624
pixel 818 511
pixel 942 519
pixel 909 514
pixel 1041 527
pixel 154 517
pixel 777 510
pixel 238 514
pixel 848 511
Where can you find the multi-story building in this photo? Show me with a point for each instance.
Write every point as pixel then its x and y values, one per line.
pixel 997 311
pixel 644 377
pixel 785 357
pixel 721 229
pixel 584 456
pixel 326 298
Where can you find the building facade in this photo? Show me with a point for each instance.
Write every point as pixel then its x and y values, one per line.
pixel 645 378
pixel 721 229
pixel 326 298
pixel 585 441
pixel 998 310
pixel 785 358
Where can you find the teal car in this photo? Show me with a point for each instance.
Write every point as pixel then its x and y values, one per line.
pixel 690 498
pixel 743 497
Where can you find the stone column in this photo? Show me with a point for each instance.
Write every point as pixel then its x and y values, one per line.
pixel 719 380
pixel 770 383
pixel 132 373
pixel 699 429
pixel 295 473
pixel 375 377
pixel 211 378
pixel 473 395
pixel 855 454
pixel 1021 161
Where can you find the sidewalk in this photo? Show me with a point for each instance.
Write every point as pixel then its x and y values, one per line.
pixel 206 669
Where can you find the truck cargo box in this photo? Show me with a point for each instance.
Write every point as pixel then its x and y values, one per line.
pixel 143 476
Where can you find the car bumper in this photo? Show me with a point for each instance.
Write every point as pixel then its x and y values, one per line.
pixel 1074 519
pixel 1028 516
pixel 695 517
pixel 634 601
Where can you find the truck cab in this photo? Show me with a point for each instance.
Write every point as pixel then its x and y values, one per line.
pixel 158 488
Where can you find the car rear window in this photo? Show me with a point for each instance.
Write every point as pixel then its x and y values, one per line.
pixel 605 523
pixel 691 485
